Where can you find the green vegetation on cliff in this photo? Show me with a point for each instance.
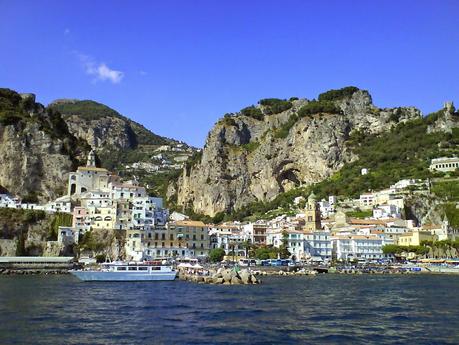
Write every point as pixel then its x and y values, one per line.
pixel 316 107
pixel 283 131
pixel 334 95
pixel 425 249
pixel 404 152
pixel 448 189
pixel 275 105
pixel 59 219
pixel 90 110
pixel 252 112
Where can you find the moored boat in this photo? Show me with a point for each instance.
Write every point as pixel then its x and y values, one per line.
pixel 120 271
pixel 444 268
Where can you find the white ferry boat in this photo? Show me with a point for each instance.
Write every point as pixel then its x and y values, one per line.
pixel 119 271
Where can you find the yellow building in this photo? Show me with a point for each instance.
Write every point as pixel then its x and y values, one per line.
pixel 102 217
pixel 415 238
pixel 193 234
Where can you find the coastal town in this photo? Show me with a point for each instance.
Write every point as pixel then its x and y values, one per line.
pixel 323 231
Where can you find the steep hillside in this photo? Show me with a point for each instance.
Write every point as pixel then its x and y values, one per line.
pixel 103 127
pixel 277 146
pixel 404 151
pixel 36 148
pixel 124 145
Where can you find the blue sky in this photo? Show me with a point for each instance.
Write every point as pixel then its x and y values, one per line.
pixel 177 66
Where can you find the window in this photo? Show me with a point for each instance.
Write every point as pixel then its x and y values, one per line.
pixel 121 268
pixel 132 268
pixel 143 268
pixel 171 237
pixel 163 236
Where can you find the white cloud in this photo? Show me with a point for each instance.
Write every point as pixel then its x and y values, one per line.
pixel 66 31
pixel 100 71
pixel 142 73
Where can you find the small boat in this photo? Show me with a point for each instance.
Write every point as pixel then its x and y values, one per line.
pixel 120 271
pixel 443 268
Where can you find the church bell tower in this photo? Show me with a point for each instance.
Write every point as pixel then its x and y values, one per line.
pixel 312 215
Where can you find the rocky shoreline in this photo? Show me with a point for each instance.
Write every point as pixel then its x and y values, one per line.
pixel 243 277
pixel 9 272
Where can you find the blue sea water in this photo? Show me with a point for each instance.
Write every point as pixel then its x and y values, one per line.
pixel 330 309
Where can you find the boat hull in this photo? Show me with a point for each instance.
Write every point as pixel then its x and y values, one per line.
pixel 442 269
pixel 89 276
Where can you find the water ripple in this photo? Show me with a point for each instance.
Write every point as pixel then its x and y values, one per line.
pixel 328 309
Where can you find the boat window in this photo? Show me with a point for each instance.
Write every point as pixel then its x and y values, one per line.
pixel 132 269
pixel 156 268
pixel 143 268
pixel 121 268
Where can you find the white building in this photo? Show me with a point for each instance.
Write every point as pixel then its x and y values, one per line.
pixel 88 178
pixel 62 204
pixel 357 247
pixel 367 199
pixel 386 211
pixel 303 245
pixel 445 164
pixel 255 232
pixel 127 190
pixel 148 212
pixel 403 184
pixel 318 244
pixel 326 209
pixel 176 216
pixel 7 200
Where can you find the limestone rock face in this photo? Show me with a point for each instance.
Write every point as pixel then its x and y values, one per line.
pixel 36 149
pixel 32 162
pixel 106 131
pixel 8 247
pixel 447 119
pixel 103 127
pixel 246 159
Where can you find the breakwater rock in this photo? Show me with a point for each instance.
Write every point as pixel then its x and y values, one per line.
pixel 8 272
pixel 222 276
pixel 302 272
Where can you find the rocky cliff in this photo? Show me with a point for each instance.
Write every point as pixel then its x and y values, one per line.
pixel 36 148
pixel 102 127
pixel 270 148
pixel 123 145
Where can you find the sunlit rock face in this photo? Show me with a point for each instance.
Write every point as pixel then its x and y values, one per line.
pixel 247 159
